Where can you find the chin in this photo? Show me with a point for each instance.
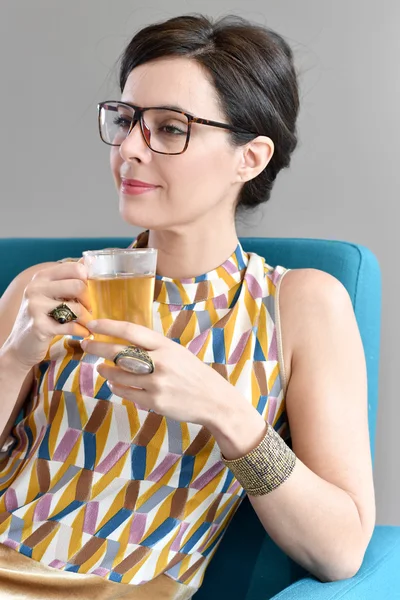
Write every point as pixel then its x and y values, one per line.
pixel 145 219
pixel 141 212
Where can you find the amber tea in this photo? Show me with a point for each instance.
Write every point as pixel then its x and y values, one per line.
pixel 123 298
pixel 121 285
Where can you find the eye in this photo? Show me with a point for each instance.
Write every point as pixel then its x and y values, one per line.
pixel 165 123
pixel 122 122
pixel 173 130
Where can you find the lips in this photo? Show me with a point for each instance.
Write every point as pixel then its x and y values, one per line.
pixel 136 183
pixel 135 187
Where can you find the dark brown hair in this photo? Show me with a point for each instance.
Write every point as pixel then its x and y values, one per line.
pixel 252 70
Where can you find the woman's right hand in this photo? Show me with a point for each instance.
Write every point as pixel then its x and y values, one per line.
pixel 34 329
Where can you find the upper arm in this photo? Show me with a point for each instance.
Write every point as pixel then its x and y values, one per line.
pixel 326 397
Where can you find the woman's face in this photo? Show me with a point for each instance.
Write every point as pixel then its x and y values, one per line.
pixel 198 185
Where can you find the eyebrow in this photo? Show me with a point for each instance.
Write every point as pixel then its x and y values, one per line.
pixel 176 107
pixel 170 106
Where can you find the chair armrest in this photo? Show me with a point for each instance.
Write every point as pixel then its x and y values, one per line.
pixel 378 577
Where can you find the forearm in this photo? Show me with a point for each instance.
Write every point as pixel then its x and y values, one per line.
pixel 312 520
pixel 14 384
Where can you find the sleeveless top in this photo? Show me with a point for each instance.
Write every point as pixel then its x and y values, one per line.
pixel 94 484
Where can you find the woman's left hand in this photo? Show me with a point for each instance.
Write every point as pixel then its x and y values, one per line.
pixel 181 387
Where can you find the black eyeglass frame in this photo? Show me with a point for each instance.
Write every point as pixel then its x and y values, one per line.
pixel 138 116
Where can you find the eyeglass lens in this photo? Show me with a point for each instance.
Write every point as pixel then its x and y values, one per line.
pixel 164 130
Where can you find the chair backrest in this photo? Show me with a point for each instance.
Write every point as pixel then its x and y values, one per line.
pixel 354 265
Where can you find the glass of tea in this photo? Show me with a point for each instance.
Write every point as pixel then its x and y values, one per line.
pixel 121 285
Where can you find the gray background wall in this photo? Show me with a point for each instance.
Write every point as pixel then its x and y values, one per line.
pixel 56 63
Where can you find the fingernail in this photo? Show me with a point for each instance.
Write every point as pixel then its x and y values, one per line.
pixel 85 340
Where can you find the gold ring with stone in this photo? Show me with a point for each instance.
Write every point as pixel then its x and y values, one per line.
pixel 62 314
pixel 135 360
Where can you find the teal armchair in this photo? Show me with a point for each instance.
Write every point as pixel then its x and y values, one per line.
pixel 248 565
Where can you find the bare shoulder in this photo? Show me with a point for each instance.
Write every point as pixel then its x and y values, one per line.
pixel 307 299
pixel 312 285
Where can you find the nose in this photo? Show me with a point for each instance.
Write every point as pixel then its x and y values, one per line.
pixel 134 145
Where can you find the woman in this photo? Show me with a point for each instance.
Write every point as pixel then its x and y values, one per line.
pixel 114 477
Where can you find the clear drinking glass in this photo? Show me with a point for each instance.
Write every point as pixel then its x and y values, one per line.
pixel 121 285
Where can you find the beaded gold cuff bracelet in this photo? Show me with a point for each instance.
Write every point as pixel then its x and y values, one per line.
pixel 264 468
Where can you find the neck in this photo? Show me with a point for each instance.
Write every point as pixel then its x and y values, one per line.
pixel 191 252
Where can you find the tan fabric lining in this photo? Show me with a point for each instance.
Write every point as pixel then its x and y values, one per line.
pixel 23 578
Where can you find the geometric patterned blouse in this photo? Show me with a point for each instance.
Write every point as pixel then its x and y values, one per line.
pixel 94 484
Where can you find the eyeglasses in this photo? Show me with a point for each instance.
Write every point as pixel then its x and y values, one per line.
pixel 165 130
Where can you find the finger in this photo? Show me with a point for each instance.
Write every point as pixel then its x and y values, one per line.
pixel 68 289
pixel 140 397
pixel 67 270
pixel 102 349
pixel 121 377
pixel 135 334
pixel 50 328
pixel 72 328
pixel 83 315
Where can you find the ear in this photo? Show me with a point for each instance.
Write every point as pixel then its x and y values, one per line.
pixel 255 156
